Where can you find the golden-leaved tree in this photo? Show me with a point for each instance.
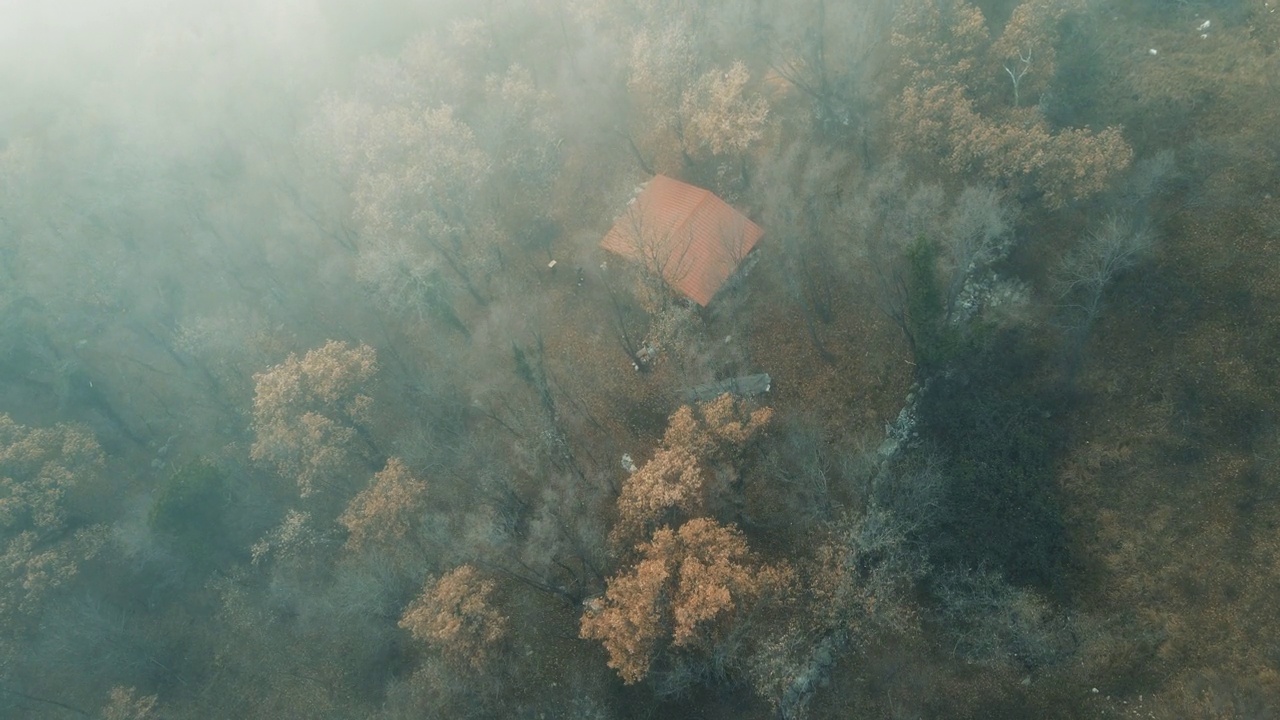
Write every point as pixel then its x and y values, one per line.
pixel 686 109
pixel 308 413
pixel 684 594
pixel 387 513
pixel 686 591
pixel 964 101
pixel 692 461
pixel 456 615
pixel 720 115
pixel 41 470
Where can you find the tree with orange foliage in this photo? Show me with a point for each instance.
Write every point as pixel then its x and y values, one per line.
pixel 41 469
pixel 950 105
pixel 1063 166
pixel 307 413
pixel 719 116
pixel 1025 49
pixel 940 41
pixel 677 477
pixel 689 111
pixel 687 592
pixel 385 514
pixel 455 614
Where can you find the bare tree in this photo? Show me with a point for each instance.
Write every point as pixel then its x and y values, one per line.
pixel 629 321
pixel 994 623
pixel 1086 272
pixel 979 233
pixel 664 260
pixel 805 217
pixel 662 252
pixel 830 52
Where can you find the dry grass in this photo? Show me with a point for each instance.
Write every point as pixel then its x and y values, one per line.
pixel 1173 482
pixel 860 384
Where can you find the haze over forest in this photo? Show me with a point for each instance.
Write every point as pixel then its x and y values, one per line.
pixel 321 397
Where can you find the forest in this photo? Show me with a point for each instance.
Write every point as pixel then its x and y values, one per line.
pixel 324 393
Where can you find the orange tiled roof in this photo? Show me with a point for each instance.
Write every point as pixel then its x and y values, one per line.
pixel 693 238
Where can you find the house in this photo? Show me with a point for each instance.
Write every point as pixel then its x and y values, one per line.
pixel 684 234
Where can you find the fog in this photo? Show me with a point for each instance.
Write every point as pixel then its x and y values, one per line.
pixel 638 358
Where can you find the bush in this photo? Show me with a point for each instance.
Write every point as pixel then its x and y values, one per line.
pixel 989 417
pixel 189 511
pixel 936 340
pixel 993 623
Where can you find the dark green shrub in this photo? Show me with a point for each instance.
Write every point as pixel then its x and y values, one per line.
pixel 189 513
pixel 935 340
pixel 993 420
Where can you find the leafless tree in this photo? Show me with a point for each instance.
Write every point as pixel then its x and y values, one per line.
pixel 1085 273
pixel 978 233
pixel 830 51
pixel 662 252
